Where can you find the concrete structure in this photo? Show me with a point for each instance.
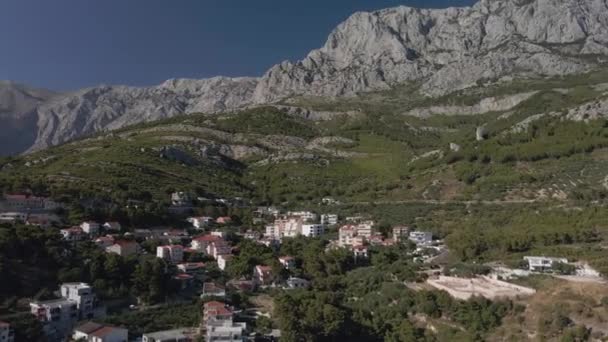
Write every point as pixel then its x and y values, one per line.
pixel 216 311
pixel 13 217
pixel 329 219
pixel 84 297
pixel 90 227
pixel 421 238
pixel 175 335
pixel 191 267
pixel 123 248
pixel 104 241
pixel 360 252
pixel 26 202
pixel 288 262
pixel 306 216
pixel 400 233
pixel 200 243
pixel 181 199
pixel 213 290
pixel 346 235
pixel 262 275
pixel 57 317
pixel 94 332
pixel 289 227
pixel 219 247
pixel 200 222
pixel 225 331
pixel 365 229
pixel 312 230
pixel 172 253
pixel 112 226
pixel 463 288
pixel 297 283
pixel 73 234
pixel 223 260
pixel 540 264
pixel 6 334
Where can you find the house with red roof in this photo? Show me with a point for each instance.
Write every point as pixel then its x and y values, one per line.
pixel 217 311
pixel 201 242
pixel 104 241
pixel 95 332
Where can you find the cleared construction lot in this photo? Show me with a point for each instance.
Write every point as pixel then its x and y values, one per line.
pixel 465 288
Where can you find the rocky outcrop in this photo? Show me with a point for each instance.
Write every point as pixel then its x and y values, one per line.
pixel 18 118
pixel 490 104
pixel 448 49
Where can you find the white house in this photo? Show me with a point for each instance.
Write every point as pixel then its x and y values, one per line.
pixel 94 332
pixel 172 253
pixel 225 330
pixel 213 290
pixel 305 215
pixel 365 229
pixel 84 297
pixel 313 230
pixel 223 260
pixel 200 222
pixel 540 264
pixel 329 219
pixel 421 238
pixel 90 227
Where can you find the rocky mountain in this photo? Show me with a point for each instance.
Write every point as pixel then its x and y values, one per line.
pixel 443 50
pixel 18 119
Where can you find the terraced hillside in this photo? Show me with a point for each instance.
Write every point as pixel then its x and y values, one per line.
pixel 539 139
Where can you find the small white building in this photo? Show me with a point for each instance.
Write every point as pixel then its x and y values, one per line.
pixel 539 264
pixel 346 234
pixel 305 215
pixel 84 297
pixel 201 222
pixel 223 260
pixel 329 219
pixel 172 253
pixel 421 238
pixel 225 330
pixel 90 227
pixel 288 262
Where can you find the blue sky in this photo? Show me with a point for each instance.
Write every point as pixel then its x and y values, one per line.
pixel 68 44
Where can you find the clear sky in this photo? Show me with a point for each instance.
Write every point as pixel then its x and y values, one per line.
pixel 69 44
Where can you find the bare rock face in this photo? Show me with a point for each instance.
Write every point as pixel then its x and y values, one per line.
pixel 443 49
pixel 18 119
pixel 111 107
pixel 449 48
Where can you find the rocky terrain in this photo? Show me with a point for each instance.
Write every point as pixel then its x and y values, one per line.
pixel 439 50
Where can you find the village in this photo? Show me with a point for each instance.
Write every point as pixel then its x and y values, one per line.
pixel 204 244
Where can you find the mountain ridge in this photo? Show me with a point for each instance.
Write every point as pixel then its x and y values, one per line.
pixel 441 50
